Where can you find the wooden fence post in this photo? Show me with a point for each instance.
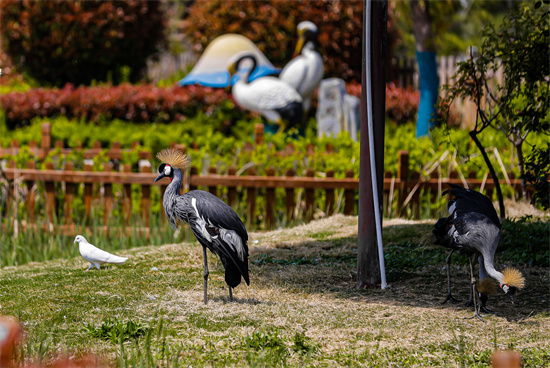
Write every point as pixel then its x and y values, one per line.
pixel 251 200
pixel 270 203
pixel 88 192
pixel 349 197
pixel 258 134
pixel 309 194
pixel 46 140
pixel 290 199
pixel 127 197
pixel 403 177
pixel 434 193
pixel 329 196
pixel 50 196
pixel 107 197
pixel 31 195
pixel 69 195
pixel 415 201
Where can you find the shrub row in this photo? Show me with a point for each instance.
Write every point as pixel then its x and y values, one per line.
pixel 401 103
pixel 137 103
pixel 58 42
pixel 147 103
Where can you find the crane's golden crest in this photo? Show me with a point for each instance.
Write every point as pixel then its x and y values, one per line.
pixel 486 286
pixel 174 158
pixel 513 277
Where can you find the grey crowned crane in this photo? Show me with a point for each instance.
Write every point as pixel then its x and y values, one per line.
pixel 473 228
pixel 273 98
pixel 215 225
pixel 305 71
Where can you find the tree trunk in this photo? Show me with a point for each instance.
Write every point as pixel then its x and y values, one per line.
pixel 473 134
pixel 427 66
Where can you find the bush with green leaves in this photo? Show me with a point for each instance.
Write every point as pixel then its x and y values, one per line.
pixel 518 104
pixel 77 42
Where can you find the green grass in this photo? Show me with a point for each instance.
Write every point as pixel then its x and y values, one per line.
pixel 301 308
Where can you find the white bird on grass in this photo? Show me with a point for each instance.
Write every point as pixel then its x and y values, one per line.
pixel 96 256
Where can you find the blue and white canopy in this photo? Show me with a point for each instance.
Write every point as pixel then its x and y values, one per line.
pixel 211 69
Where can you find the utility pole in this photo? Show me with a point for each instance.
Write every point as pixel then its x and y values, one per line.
pixel 368 262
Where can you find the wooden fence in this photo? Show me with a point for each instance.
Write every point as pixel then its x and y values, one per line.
pixel 402 192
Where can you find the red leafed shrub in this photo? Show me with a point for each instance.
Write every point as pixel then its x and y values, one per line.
pixel 142 103
pixel 271 25
pixel 401 103
pixel 77 41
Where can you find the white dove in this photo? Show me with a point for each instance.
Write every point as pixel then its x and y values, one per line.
pixel 94 255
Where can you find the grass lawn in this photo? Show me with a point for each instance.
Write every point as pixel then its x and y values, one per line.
pixel 301 308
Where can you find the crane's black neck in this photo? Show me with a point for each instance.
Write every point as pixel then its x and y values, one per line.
pixel 254 64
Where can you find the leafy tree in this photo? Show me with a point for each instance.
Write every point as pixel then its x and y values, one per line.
pixel 455 25
pixel 58 42
pixel 520 103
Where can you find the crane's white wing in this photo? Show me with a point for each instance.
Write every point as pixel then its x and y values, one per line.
pixel 265 93
pixel 304 72
pixel 295 72
pixel 93 254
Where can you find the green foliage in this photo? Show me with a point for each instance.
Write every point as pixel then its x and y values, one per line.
pixel 58 42
pixel 116 330
pixel 537 166
pixel 519 104
pixel 525 240
pixel 455 25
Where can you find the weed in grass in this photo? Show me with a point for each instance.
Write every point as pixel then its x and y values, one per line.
pixel 117 330
pixel 268 347
pixel 304 345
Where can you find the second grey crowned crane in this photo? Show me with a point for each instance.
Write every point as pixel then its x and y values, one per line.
pixel 214 223
pixel 473 228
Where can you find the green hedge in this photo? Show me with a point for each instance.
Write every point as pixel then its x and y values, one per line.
pixel 58 42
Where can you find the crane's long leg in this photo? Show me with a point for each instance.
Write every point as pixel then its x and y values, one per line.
pixel 471 301
pixel 230 294
pixel 473 288
pixel 205 275
pixel 449 296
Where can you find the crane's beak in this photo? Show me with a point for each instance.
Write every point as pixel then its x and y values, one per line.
pixel 299 45
pixel 232 70
pixel 160 177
